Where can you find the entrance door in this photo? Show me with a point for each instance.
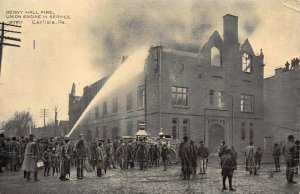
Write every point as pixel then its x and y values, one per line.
pixel 216 134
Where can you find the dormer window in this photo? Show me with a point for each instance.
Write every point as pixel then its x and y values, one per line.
pixel 247 63
pixel 215 57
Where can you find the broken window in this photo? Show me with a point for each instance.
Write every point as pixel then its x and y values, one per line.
pixel 215 57
pixel 247 63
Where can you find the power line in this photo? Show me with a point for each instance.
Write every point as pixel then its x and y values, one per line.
pixel 4 38
pixel 44 113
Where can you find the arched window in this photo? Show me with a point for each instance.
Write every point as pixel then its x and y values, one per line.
pixel 215 57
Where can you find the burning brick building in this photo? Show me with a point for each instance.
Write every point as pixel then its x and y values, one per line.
pixel 212 95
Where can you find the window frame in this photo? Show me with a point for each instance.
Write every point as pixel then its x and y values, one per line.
pixel 141 98
pixel 183 93
pixel 129 102
pixel 215 99
pixel 245 65
pixel 115 105
pixel 242 105
pixel 177 128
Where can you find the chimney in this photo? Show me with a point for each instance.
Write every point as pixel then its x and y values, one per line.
pixel 230 31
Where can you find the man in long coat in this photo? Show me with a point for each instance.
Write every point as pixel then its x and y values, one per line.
pixel 185 154
pixel 23 146
pixel 99 159
pixel 130 155
pixel 250 157
pixel 288 150
pixel 142 154
pixel 14 154
pixel 93 153
pixel 80 149
pixel 31 158
pixel 122 155
pixel 65 159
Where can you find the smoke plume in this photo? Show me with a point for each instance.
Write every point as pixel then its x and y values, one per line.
pixel 123 26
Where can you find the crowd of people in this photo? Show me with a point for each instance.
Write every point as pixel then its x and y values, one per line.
pixel 60 154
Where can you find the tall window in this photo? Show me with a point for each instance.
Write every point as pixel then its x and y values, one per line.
pixel 96 112
pixel 180 96
pixel 115 105
pixel 215 57
pixel 129 127
pixel 186 127
pixel 247 103
pixel 129 101
pixel 243 132
pixel 216 98
pixel 104 108
pixel 104 134
pixel 141 96
pixel 247 63
pixel 175 126
pixel 251 135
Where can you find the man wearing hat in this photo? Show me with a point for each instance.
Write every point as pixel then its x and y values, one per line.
pixel 250 157
pixel 193 157
pixel 185 154
pixel 288 150
pixel 14 153
pixel 65 159
pixel 80 150
pixel 276 156
pixel 110 152
pixel 31 158
pixel 202 157
pixel 221 151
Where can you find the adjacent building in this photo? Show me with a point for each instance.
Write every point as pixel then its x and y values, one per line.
pixel 282 105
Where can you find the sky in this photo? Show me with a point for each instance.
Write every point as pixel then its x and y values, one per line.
pixel 99 33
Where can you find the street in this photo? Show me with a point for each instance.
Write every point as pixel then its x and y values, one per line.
pixel 153 180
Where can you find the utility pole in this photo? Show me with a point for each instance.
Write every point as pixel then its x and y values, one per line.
pixel 55 120
pixel 44 113
pixel 3 38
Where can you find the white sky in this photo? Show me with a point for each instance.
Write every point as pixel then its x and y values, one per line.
pixel 32 79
